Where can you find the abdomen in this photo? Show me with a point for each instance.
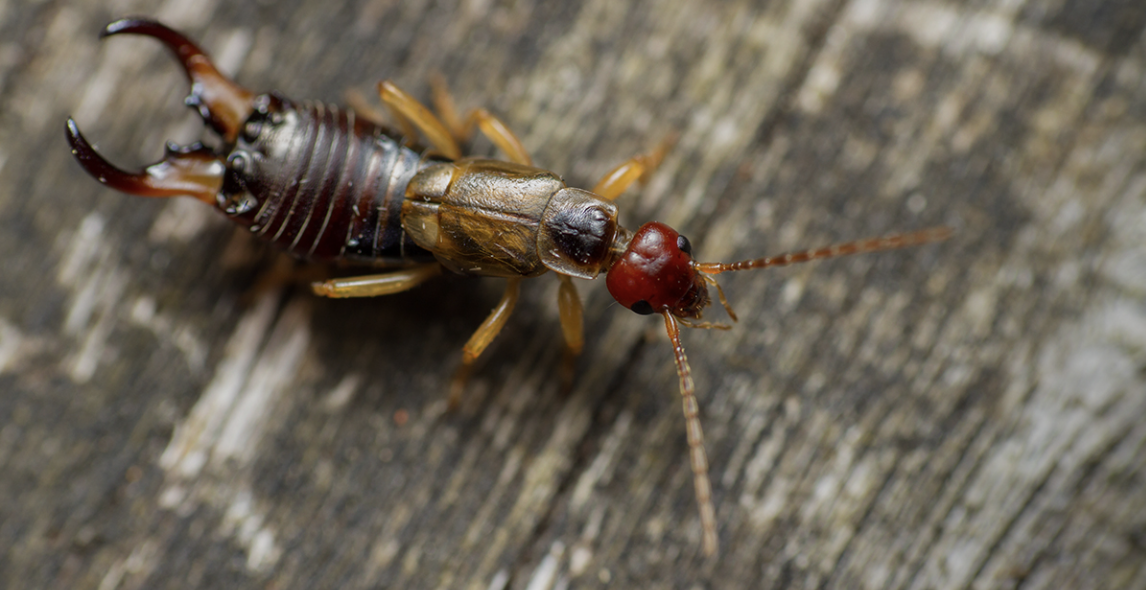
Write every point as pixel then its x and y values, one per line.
pixel 323 184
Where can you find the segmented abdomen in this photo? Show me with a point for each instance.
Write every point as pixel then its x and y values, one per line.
pixel 323 184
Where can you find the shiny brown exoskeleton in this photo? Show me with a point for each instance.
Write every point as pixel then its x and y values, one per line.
pixel 328 185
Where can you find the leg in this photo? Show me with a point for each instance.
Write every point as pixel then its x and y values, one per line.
pixel 364 109
pixel 373 285
pixel 482 337
pixel 405 107
pixel 444 104
pixel 491 127
pixel 636 168
pixel 569 305
pixel 500 134
pixel 285 271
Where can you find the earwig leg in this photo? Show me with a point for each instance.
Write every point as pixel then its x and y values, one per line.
pixel 636 168
pixel 374 285
pixel 500 134
pixel 364 108
pixel 482 337
pixel 444 105
pixel 572 326
pixel 492 127
pixel 697 457
pixel 285 271
pixel 405 106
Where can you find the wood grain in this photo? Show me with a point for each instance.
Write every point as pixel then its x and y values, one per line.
pixel 962 415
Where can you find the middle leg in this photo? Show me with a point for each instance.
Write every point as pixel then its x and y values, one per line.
pixel 490 126
pixel 482 338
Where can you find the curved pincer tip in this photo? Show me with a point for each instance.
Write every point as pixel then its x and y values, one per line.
pixel 223 104
pixel 132 24
pixel 96 165
pixel 83 151
pixel 194 171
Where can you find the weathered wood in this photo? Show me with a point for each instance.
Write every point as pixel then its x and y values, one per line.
pixel 963 415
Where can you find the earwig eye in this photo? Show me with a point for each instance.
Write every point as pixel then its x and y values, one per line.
pixel 642 307
pixel 684 245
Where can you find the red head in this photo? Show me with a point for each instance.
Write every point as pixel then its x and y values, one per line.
pixel 656 273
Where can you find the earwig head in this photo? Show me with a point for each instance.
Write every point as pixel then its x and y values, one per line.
pixel 194 170
pixel 656 273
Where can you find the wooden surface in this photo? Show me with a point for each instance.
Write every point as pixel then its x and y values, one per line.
pixel 963 415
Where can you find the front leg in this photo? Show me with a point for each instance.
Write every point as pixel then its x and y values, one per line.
pixel 572 327
pixel 637 168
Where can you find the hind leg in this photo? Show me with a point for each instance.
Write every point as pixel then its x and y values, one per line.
pixel 380 284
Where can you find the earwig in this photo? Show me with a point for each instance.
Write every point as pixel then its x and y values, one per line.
pixel 325 184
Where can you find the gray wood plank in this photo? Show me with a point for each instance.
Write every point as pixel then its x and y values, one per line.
pixel 968 414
